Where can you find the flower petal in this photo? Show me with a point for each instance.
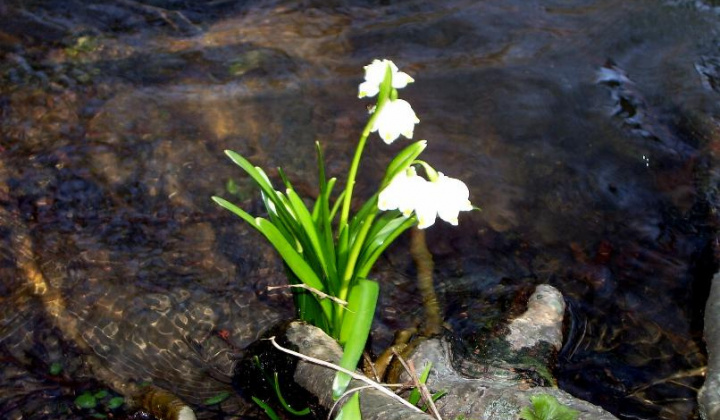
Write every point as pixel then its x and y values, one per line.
pixel 375 74
pixel 396 117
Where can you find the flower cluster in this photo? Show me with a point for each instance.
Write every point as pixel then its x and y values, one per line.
pixel 440 196
pixel 329 251
pixel 396 116
pixel 443 197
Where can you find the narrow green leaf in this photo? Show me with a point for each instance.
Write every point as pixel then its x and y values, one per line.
pixel 268 410
pixel 351 409
pixel 324 226
pixel 357 241
pixel 308 228
pixel 115 402
pixel 403 159
pixel 414 396
pixel 321 165
pixel 382 226
pixel 255 173
pixel 436 396
pixel 262 180
pixel 355 329
pixel 235 209
pixel 284 178
pixel 217 399
pixel 369 206
pixel 305 411
pixel 343 248
pixel 368 260
pixel 294 261
pixel 336 206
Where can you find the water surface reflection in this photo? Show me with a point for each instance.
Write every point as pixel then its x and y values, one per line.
pixel 586 132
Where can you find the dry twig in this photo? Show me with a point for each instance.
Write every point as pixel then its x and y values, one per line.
pixel 321 294
pixel 424 393
pixel 361 378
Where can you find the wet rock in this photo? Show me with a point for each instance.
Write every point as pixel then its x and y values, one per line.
pixel 541 322
pixel 709 395
pixel 498 393
pixel 495 396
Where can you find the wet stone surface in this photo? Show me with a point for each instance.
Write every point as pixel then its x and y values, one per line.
pixel 586 131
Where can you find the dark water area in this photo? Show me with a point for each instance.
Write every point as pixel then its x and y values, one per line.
pixel 587 131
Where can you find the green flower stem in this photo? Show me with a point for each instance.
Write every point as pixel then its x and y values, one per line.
pixel 349 274
pixel 385 92
pixel 355 164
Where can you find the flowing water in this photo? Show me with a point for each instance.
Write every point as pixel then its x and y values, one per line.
pixel 586 130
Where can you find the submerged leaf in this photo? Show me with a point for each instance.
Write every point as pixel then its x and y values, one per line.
pixel 86 400
pixel 217 399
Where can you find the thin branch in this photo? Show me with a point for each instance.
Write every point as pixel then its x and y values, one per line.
pixel 424 393
pixel 352 374
pixel 321 295
pixel 345 395
pixel 369 362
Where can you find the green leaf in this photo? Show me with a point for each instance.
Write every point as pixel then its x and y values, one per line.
pixel 268 410
pixel 115 402
pixel 547 407
pixel 336 206
pixel 235 209
pixel 101 394
pixel 355 329
pixel 381 229
pixel 291 257
pixel 284 178
pixel 321 165
pixel 86 400
pixel 308 227
pixel 231 187
pixel 436 396
pixel 56 368
pixel 402 160
pixel 217 399
pixel 351 409
pixel 368 260
pixel 305 411
pixel 357 239
pixel 369 206
pixel 414 396
pixel 255 173
pixel 294 260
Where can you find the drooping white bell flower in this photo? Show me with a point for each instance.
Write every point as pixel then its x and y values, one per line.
pixel 445 197
pixel 396 117
pixel 375 74
pixel 453 197
pixel 402 192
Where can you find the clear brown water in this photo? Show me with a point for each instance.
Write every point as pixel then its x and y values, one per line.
pixel 586 131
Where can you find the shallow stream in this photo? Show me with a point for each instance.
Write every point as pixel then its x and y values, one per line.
pixel 586 130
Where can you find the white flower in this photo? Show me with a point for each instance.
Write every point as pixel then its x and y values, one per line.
pixel 444 197
pixel 452 197
pixel 396 117
pixel 375 74
pixel 402 193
